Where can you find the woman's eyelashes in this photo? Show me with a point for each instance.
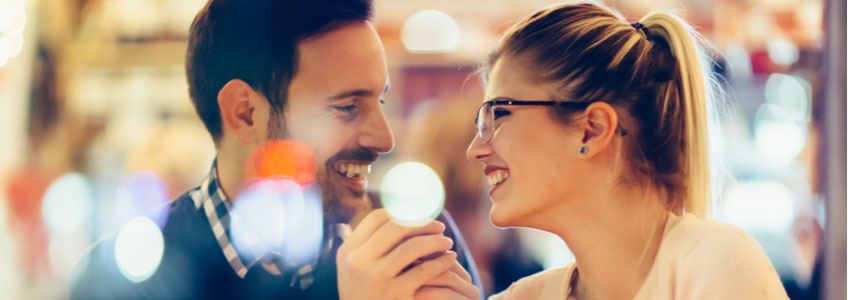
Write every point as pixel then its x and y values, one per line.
pixel 500 112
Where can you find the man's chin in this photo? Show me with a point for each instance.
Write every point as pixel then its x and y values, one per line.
pixel 341 200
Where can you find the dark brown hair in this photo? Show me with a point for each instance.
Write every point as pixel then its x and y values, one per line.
pixel 256 41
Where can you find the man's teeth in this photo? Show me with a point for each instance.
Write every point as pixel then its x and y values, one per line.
pixel 353 170
pixel 497 177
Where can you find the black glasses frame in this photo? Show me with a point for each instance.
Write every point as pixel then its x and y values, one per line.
pixel 513 102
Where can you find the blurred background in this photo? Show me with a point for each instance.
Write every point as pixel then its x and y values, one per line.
pixel 94 111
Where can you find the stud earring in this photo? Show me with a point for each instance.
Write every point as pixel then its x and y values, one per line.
pixel 583 150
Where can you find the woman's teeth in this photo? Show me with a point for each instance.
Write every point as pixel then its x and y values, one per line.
pixel 497 177
pixel 352 170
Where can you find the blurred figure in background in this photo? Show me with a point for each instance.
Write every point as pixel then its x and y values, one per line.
pixel 58 151
pixel 165 154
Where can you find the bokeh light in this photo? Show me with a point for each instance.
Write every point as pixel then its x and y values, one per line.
pixel 138 249
pixel 790 96
pixel 304 228
pixel 739 62
pixel 412 193
pixel 430 31
pixel 282 158
pixel 782 51
pixel 778 142
pixel 258 216
pixel 142 194
pixel 758 206
pixel 278 215
pixel 546 248
pixel 12 20
pixel 68 204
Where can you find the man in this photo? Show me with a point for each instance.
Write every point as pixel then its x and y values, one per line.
pixel 313 72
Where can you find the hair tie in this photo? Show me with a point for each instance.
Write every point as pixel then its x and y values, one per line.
pixel 641 27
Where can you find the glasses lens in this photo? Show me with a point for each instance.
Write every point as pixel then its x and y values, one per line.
pixel 487 122
pixel 481 120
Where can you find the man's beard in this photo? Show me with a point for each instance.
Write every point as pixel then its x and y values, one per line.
pixel 331 194
pixel 334 193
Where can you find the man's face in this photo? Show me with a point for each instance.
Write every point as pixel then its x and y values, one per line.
pixel 334 105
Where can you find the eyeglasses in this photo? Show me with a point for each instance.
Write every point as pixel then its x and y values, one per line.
pixel 485 120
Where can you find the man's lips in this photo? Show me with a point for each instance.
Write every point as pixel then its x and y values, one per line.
pixel 352 169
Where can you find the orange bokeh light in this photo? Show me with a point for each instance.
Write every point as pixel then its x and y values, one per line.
pixel 282 158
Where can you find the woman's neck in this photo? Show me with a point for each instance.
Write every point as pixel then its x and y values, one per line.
pixel 614 237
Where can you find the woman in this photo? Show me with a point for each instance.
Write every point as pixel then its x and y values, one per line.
pixel 595 129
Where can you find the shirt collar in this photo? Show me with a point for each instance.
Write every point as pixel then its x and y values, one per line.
pixel 213 202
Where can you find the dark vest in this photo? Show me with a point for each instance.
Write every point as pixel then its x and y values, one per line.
pixel 193 266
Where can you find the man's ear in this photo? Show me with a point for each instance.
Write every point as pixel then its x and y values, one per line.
pixel 599 123
pixel 238 111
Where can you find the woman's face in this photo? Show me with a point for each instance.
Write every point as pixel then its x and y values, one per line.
pixel 535 155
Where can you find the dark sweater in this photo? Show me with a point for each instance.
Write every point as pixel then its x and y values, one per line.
pixel 193 266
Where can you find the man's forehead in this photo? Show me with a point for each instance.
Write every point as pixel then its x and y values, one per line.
pixel 355 41
pixel 347 60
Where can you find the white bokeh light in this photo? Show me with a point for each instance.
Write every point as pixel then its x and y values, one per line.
pixel 545 247
pixel 782 51
pixel 430 31
pixel 139 248
pixel 412 193
pixel 281 216
pixel 758 206
pixel 779 142
pixel 789 96
pixel 12 21
pixel 259 217
pixel 739 62
pixel 304 232
pixel 68 204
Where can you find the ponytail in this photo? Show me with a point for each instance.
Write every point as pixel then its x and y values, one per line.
pixel 690 90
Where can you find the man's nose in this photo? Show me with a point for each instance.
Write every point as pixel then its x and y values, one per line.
pixel 376 134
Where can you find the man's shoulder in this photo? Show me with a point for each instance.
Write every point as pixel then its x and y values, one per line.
pixel 97 275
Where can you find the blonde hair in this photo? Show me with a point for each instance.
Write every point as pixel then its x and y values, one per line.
pixel 652 72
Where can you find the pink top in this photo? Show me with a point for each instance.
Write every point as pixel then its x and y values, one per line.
pixel 696 260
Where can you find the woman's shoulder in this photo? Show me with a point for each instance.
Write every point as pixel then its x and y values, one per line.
pixel 713 258
pixel 539 285
pixel 694 240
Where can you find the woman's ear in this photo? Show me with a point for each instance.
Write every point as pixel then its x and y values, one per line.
pixel 599 123
pixel 237 103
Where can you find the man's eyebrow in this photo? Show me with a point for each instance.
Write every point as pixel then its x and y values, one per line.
pixel 352 93
pixel 359 93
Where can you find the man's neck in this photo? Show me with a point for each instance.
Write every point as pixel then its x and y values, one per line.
pixel 230 175
pixel 360 212
pixel 352 211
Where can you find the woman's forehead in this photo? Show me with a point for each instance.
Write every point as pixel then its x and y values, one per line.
pixel 509 78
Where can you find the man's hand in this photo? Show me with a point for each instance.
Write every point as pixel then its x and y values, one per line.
pixel 372 262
